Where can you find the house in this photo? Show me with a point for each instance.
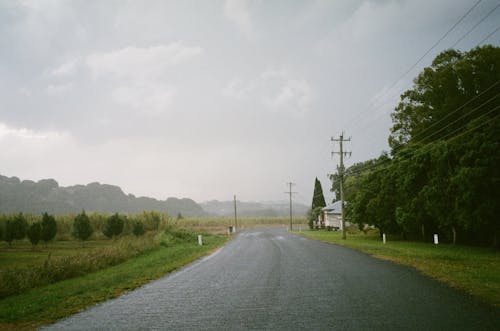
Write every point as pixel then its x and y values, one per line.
pixel 331 217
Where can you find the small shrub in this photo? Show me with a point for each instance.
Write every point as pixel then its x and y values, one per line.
pixel 138 229
pixel 81 227
pixel 113 226
pixel 34 233
pixel 48 228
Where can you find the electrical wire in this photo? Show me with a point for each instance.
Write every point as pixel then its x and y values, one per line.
pixel 475 25
pixel 420 59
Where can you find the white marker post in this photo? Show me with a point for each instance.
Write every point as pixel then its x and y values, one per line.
pixel 383 238
pixel 200 240
pixel 436 239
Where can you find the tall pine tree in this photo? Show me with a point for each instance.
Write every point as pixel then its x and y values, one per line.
pixel 318 197
pixel 318 202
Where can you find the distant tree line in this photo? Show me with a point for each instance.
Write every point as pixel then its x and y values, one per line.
pixel 45 228
pixel 443 172
pixel 47 196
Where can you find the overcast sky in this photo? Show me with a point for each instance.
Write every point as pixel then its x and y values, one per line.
pixel 206 99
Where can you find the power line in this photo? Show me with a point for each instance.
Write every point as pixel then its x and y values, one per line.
pixel 461 117
pixel 382 163
pixel 488 36
pixel 475 26
pixel 427 136
pixel 458 129
pixel 421 57
pixel 459 108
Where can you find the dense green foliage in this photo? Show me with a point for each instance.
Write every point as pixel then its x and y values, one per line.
pixel 443 175
pixel 49 227
pixel 15 228
pixel 34 233
pixel 81 227
pixel 113 226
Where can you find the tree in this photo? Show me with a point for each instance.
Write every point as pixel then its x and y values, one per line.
pixel 457 88
pixel 82 229
pixel 318 202
pixel 113 226
pixel 34 233
pixel 48 228
pixel 15 228
pixel 9 231
pixel 138 229
pixel 179 216
pixel 318 197
pixel 443 176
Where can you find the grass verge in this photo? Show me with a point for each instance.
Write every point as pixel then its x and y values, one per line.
pixel 49 303
pixel 474 270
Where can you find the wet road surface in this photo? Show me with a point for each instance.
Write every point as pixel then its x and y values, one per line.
pixel 268 279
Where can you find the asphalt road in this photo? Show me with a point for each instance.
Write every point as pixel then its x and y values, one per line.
pixel 267 279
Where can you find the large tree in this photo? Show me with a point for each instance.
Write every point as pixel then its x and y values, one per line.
pixel 457 88
pixel 444 173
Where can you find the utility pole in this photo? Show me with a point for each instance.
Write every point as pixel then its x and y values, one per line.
pixel 235 215
pixel 290 193
pixel 341 175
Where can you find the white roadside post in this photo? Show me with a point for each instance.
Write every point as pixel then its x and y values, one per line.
pixel 436 239
pixel 383 237
pixel 200 240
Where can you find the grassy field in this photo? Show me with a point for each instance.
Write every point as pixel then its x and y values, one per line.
pixel 474 270
pixel 219 225
pixel 44 304
pixel 22 254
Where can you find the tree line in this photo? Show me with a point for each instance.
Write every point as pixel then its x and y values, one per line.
pixel 442 174
pixel 44 228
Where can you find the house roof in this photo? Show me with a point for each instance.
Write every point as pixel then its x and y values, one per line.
pixel 334 208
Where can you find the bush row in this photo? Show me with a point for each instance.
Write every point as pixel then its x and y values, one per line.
pixel 82 226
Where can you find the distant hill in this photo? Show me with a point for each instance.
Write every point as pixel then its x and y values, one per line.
pixel 47 196
pixel 254 209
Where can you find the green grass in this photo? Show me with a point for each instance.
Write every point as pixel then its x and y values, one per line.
pixel 22 254
pixel 475 270
pixel 49 303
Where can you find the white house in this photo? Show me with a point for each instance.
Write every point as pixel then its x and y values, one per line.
pixel 331 216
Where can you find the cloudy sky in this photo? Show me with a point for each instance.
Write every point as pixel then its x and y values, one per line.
pixel 206 99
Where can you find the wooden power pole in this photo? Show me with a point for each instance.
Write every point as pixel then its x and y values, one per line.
pixel 235 215
pixel 341 175
pixel 290 193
